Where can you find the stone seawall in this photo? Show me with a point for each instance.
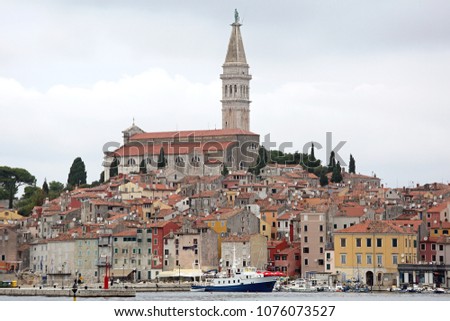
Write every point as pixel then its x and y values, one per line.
pixel 83 293
pixel 161 287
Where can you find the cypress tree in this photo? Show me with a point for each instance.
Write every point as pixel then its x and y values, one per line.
pixel 351 166
pixel 336 177
pixel 45 188
pixel 323 180
pixel 332 163
pixel 161 158
pixel 143 167
pixel 114 168
pixel 224 170
pixel 77 173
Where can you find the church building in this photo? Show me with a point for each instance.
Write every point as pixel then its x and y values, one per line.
pixel 199 152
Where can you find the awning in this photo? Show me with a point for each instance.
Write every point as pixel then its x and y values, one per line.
pixel 120 273
pixel 182 272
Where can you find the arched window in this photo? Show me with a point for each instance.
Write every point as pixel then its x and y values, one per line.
pixel 149 161
pixel 241 165
pixel 235 90
pixel 131 162
pixel 179 161
pixel 195 160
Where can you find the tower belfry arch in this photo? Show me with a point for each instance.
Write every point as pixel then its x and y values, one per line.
pixel 236 82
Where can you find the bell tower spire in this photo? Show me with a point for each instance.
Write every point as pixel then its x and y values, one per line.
pixel 235 82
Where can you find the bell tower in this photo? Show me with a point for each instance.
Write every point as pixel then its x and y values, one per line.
pixel 235 82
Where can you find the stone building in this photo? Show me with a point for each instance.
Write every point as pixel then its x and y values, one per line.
pixel 199 152
pixel 244 251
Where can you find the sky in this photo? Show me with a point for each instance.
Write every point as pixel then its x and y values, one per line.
pixel 74 74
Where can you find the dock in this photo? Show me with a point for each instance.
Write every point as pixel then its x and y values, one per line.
pixel 67 292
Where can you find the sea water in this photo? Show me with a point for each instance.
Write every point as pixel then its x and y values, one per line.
pixel 237 296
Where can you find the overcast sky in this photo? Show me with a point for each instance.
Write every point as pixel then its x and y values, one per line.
pixel 73 74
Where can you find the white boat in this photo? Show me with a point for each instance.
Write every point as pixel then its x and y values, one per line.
pixel 248 280
pixel 301 285
pixel 234 280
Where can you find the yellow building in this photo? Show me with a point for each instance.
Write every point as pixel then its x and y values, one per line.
pixel 9 216
pixel 370 251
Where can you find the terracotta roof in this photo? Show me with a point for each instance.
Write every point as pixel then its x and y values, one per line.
pixel 438 208
pixel 191 133
pixel 130 232
pixel 380 227
pixel 352 210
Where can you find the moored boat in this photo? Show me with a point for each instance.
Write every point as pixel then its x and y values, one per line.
pixel 247 280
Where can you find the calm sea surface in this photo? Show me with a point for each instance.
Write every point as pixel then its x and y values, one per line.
pixel 275 296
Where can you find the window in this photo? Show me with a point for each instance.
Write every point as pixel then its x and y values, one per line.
pixel 305 228
pixel 358 242
pixel 343 258
pixel 394 258
pixel 328 256
pixel 380 259
pixel 394 243
pixel 358 258
pixel 343 242
pixel 306 239
pixel 369 242
pixel 422 246
pixel 328 267
pixel 321 250
pixel 306 262
pixel 433 247
pixel 379 242
pixel 321 239
pixel 306 250
pixel 321 228
pixel 441 247
pixel 335 226
pixel 369 259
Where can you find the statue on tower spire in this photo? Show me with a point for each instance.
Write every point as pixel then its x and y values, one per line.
pixel 236 16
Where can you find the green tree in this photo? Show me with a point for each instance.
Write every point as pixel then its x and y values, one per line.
pixel 114 168
pixel 45 188
pixel 351 165
pixel 55 189
pixel 261 161
pixel 32 196
pixel 332 163
pixel 323 180
pixel 11 179
pixel 224 171
pixel 336 177
pixel 311 162
pixel 77 174
pixel 102 177
pixel 143 167
pixel 161 158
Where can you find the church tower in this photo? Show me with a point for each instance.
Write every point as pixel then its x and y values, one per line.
pixel 235 82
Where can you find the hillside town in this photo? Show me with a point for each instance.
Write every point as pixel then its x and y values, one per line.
pixel 174 205
pixel 162 227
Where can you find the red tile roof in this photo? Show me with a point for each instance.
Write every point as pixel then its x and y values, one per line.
pixel 379 227
pixel 191 133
